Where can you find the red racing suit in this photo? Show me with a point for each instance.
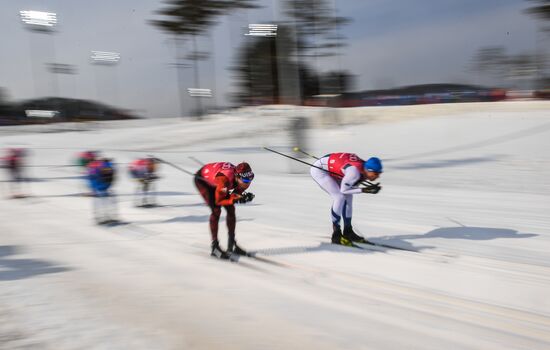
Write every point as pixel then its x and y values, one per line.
pixel 337 162
pixel 217 185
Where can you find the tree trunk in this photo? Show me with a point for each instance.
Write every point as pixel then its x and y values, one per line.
pixel 197 81
pixel 179 68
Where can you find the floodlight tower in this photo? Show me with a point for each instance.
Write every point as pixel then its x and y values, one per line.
pixel 266 31
pixel 105 59
pixel 38 20
pixel 62 68
pixel 256 29
pixel 41 23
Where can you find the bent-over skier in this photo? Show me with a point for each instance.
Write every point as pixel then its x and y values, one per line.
pixel 222 185
pixel 340 174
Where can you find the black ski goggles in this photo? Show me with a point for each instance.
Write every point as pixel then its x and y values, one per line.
pixel 246 177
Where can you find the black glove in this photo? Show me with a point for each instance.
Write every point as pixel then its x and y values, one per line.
pixel 246 197
pixel 372 189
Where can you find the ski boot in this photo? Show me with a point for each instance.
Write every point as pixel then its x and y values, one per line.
pixel 352 236
pixel 338 238
pixel 233 248
pixel 217 251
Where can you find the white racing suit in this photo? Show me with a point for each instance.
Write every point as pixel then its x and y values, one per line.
pixel 341 191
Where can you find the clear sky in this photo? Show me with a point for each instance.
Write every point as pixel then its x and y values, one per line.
pixel 389 43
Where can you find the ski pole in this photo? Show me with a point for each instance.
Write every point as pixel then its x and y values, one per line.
pixel 367 183
pixel 177 167
pixel 298 149
pixel 185 171
pixel 196 160
pixel 172 165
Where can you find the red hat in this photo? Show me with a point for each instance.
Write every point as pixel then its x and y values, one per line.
pixel 244 170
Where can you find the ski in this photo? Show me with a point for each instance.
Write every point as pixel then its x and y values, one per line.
pixel 369 244
pixel 381 245
pixel 351 245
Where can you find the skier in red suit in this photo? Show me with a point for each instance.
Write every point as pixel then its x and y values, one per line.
pixel 223 184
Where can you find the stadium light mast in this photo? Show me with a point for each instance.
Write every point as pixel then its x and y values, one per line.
pixel 105 59
pixel 268 30
pixel 38 20
pixel 43 23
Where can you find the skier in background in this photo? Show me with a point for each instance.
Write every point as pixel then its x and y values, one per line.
pixel 340 178
pixel 14 163
pixel 101 175
pixel 83 159
pixel 143 170
pixel 222 185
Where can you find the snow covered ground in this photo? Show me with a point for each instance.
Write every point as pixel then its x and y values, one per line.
pixel 468 191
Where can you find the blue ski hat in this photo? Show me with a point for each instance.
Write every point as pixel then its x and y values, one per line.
pixel 373 164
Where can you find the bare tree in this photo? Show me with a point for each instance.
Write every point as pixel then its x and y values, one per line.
pixel 316 26
pixel 187 19
pixel 541 10
pixel 491 61
pixel 505 69
pixel 317 32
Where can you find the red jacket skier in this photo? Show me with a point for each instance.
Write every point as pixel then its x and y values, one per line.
pixel 223 184
pixel 144 171
pixel 14 162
